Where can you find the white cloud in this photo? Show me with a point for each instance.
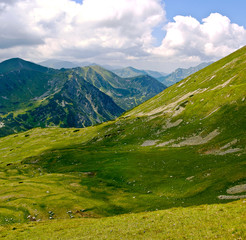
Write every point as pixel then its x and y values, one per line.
pixel 62 28
pixel 189 39
pixel 112 31
pixel 15 28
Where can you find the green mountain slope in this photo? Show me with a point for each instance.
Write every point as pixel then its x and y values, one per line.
pixel 184 147
pixel 181 73
pixel 17 64
pixel 20 82
pixel 32 96
pixel 133 72
pixel 76 104
pixel 127 93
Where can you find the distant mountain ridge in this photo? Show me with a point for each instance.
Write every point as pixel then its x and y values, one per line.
pixel 166 79
pixel 181 73
pixel 133 72
pixel 129 72
pixel 32 95
pixel 58 64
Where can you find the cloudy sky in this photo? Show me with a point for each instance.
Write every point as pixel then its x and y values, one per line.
pixel 148 34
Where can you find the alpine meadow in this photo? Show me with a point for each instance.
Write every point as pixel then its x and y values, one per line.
pixel 122 119
pixel 168 165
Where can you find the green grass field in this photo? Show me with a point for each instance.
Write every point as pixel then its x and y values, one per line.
pixel 177 152
pixel 105 179
pixel 220 221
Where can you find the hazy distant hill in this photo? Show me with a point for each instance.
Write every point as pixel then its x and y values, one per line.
pixel 166 79
pixel 181 73
pixel 58 64
pixel 133 72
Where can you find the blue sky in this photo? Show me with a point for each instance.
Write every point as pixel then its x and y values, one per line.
pixel 146 34
pixel 200 9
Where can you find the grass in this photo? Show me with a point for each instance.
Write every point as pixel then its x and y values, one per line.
pixel 219 221
pixel 104 171
pixel 107 180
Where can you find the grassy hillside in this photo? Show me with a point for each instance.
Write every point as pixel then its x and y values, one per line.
pixel 184 147
pixel 209 101
pixel 60 170
pixel 221 221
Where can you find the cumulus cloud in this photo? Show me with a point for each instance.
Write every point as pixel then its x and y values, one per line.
pixel 106 31
pixel 16 28
pixel 215 37
pixel 2 2
pixel 63 27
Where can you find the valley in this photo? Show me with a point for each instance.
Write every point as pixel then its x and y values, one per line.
pixel 122 119
pixel 177 155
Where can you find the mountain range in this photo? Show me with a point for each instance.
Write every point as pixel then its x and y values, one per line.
pixel 133 72
pixel 166 79
pixel 181 73
pixel 180 155
pixel 183 147
pixel 36 96
pixel 58 64
pixel 129 72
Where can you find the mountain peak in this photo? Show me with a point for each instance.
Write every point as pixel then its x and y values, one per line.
pixel 131 68
pixel 133 72
pixel 17 64
pixel 181 73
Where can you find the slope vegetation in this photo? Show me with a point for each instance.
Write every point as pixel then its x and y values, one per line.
pixel 21 81
pixel 33 96
pixel 203 222
pixel 184 147
pixel 127 93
